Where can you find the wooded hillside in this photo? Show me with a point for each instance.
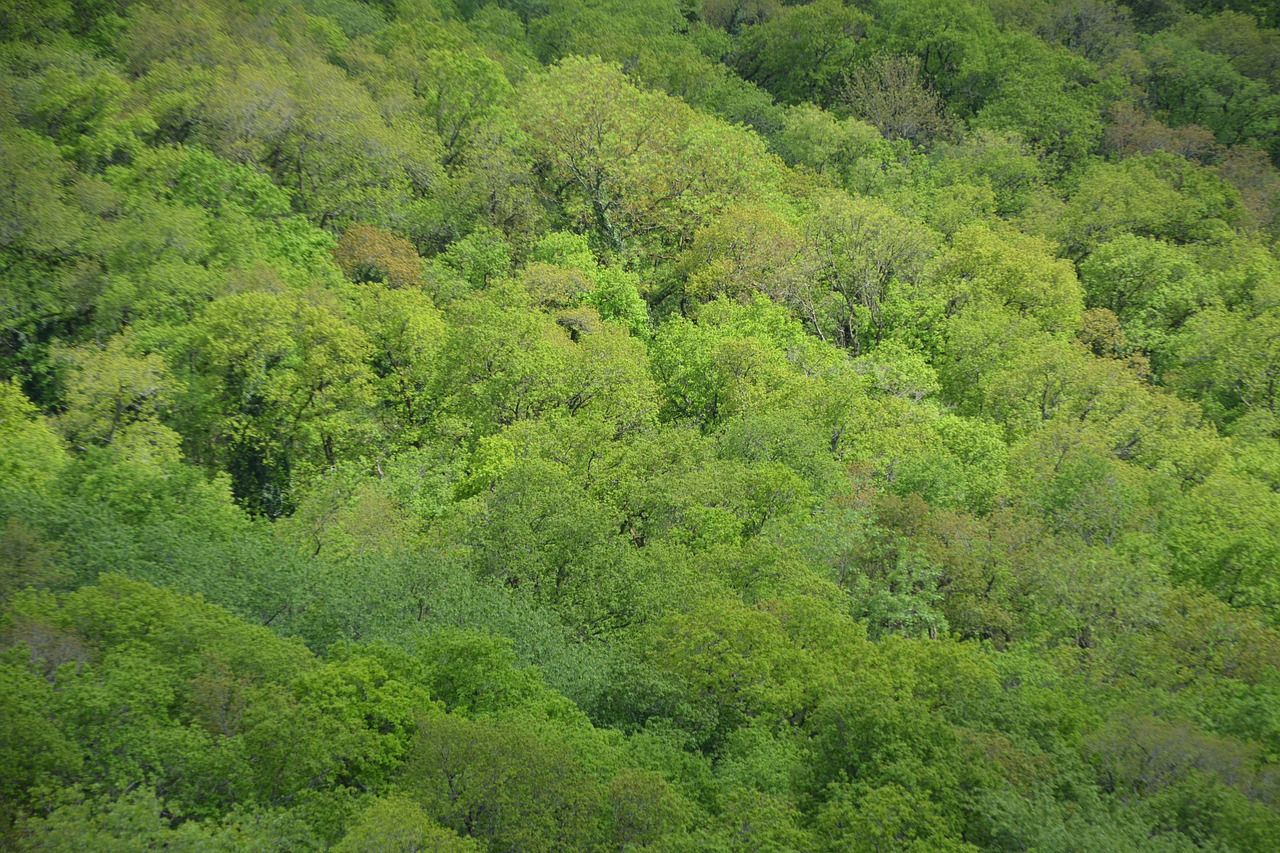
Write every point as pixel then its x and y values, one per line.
pixel 621 425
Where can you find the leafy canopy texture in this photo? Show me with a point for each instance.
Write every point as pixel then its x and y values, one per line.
pixel 491 426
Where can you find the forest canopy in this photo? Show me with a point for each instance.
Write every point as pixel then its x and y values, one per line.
pixel 621 425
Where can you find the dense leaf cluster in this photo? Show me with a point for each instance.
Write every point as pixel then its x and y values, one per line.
pixel 672 425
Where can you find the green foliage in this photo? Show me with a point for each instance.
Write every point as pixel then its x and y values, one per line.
pixel 866 254
pixel 1011 270
pixel 1047 96
pixel 79 102
pixel 501 783
pixel 603 143
pixel 800 53
pixel 666 425
pixel 35 751
pixel 112 392
pixel 1222 535
pixel 32 452
pixel 951 40
pixel 273 375
pixel 1192 85
pixel 1159 196
pixel 1135 276
pixel 398 823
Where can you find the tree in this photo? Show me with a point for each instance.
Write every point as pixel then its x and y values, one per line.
pixel 276 384
pixel 397 824
pixel 115 826
pixel 800 54
pixel 1002 161
pixel 888 93
pixel 732 660
pixel 83 104
pixel 111 389
pixel 644 809
pixel 1255 177
pixel 406 334
pixel 1048 96
pixel 1013 270
pixel 604 138
pixel 41 234
pixel 1160 196
pixel 23 21
pixel 37 213
pixel 32 452
pixel 1223 535
pixel 732 15
pixel 733 360
pixel 741 252
pixel 866 253
pixel 1243 374
pixel 536 533
pixel 1098 30
pixel 503 783
pixel 1154 288
pixel 852 152
pixel 887 818
pixel 433 72
pixel 34 749
pixel 501 362
pixel 1195 86
pixel 1130 130
pixel 953 42
pixel 630 164
pixel 458 90
pixel 368 254
pixel 321 135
